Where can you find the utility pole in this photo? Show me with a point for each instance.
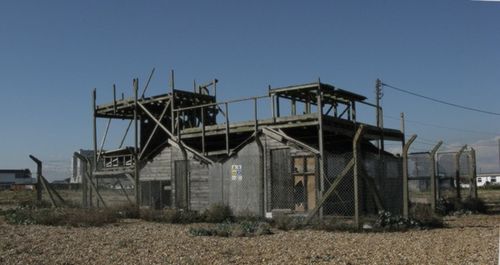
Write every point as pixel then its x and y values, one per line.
pixel 378 97
pixel 498 153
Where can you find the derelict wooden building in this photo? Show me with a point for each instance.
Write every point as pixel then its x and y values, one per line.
pixel 189 153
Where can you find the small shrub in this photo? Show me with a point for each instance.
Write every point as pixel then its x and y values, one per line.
pixel 227 229
pixel 201 231
pixel 247 215
pixel 127 211
pixel 186 217
pixel 335 225
pixel 455 206
pixel 60 216
pixel 474 205
pixel 286 222
pixel 172 216
pixel 389 222
pixel 218 213
pixel 35 204
pixel 426 216
pixel 489 186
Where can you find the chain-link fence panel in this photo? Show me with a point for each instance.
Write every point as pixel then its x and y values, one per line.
pixel 447 172
pixel 341 200
pixel 419 177
pixel 69 194
pixel 384 182
pixel 115 191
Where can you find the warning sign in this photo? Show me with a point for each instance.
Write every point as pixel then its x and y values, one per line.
pixel 236 173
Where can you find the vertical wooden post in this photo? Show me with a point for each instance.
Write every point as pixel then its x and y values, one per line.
pixel 355 148
pixel 406 148
pixel 114 98
pixel 202 131
pixel 320 143
pixel 473 174
pixel 353 113
pixel 226 109
pixel 215 87
pixel 434 180
pixel 277 106
pixel 402 115
pixel 172 102
pixel 294 108
pixel 457 171
pixel 273 103
pixel 85 184
pixel 136 146
pixel 255 114
pixel 94 160
pixel 38 178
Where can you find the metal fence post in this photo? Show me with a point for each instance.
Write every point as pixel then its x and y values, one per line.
pixel 473 174
pixel 136 145
pixel 38 178
pixel 434 181
pixel 457 171
pixel 355 149
pixel 406 147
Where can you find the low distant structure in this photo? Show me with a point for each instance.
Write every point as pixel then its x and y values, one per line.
pixel 16 179
pixel 486 179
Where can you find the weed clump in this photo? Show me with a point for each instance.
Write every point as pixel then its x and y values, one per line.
pixel 454 206
pixel 218 213
pixel 228 229
pixel 75 217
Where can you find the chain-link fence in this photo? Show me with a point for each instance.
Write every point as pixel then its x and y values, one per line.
pixel 419 177
pixel 108 192
pixel 339 172
pixel 297 186
pixel 447 170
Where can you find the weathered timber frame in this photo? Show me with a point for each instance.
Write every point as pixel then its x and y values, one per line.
pixel 204 129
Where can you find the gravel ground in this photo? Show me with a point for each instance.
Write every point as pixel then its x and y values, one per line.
pixel 467 240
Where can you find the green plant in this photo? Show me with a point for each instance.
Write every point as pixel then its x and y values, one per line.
pixel 218 213
pixel 386 221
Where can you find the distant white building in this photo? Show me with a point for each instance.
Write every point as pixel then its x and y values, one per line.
pixel 79 167
pixel 488 179
pixel 11 178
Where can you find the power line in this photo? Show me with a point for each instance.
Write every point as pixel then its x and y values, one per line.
pixel 440 126
pixel 441 101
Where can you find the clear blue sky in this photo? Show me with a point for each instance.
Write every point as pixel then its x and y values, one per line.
pixel 52 53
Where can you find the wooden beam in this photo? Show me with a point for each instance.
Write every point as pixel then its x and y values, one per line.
pixel 151 135
pixel 281 136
